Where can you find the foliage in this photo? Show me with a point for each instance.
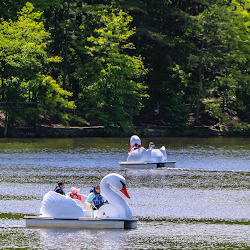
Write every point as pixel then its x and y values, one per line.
pixel 113 87
pixel 225 52
pixel 196 54
pixel 178 113
pixel 239 129
pixel 23 58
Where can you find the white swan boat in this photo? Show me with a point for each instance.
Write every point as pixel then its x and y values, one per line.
pixel 59 211
pixel 146 158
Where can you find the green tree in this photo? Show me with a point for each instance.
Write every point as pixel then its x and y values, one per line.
pixel 163 41
pixel 224 56
pixel 23 64
pixel 113 90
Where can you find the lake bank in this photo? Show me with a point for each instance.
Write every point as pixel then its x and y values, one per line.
pixel 99 131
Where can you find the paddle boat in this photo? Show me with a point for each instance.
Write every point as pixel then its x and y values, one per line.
pixel 139 157
pixel 59 211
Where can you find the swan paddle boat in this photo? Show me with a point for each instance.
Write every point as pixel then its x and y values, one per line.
pixel 59 211
pixel 146 158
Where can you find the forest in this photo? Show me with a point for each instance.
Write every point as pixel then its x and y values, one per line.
pixel 125 63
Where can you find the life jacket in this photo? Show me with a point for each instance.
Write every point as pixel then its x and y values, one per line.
pixel 134 148
pixel 98 199
pixel 59 190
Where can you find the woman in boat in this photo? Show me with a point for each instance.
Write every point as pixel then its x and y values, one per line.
pixel 59 188
pixel 95 200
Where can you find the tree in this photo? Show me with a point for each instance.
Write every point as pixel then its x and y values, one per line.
pixel 162 39
pixel 23 62
pixel 224 53
pixel 113 90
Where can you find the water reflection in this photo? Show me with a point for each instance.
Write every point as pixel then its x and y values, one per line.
pixel 79 239
pixel 148 235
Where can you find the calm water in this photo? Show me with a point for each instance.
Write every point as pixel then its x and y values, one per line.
pixel 203 203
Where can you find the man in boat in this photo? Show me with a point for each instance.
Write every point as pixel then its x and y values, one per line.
pixel 95 200
pixel 59 188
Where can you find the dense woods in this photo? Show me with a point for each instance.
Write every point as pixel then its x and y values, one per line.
pixel 121 63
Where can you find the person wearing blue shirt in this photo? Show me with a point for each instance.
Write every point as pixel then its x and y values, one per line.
pixel 59 188
pixel 95 200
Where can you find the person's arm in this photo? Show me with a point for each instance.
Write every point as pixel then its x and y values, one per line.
pixel 104 199
pixel 89 200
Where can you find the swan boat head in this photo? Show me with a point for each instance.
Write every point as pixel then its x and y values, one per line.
pixel 116 181
pixel 117 207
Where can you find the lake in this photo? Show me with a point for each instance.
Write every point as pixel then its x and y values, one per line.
pixel 203 203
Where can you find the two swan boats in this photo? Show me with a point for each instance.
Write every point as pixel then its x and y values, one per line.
pixel 59 211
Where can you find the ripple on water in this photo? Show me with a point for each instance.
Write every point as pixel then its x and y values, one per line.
pixel 183 208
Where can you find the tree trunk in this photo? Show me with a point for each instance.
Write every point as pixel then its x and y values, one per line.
pixel 200 81
pixel 66 49
pixel 5 125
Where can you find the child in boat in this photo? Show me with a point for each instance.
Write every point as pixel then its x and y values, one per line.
pixel 59 188
pixel 75 194
pixel 95 200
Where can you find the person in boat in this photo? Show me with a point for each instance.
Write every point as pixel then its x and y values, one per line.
pixel 151 145
pixel 136 146
pixel 59 188
pixel 75 193
pixel 95 200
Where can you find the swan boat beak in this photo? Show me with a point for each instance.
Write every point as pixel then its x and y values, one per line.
pixel 124 191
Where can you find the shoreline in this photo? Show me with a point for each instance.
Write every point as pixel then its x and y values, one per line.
pixel 98 131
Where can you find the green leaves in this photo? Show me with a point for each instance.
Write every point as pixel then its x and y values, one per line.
pixel 51 97
pixel 225 56
pixel 114 90
pixel 23 60
pixel 22 44
pixel 193 50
